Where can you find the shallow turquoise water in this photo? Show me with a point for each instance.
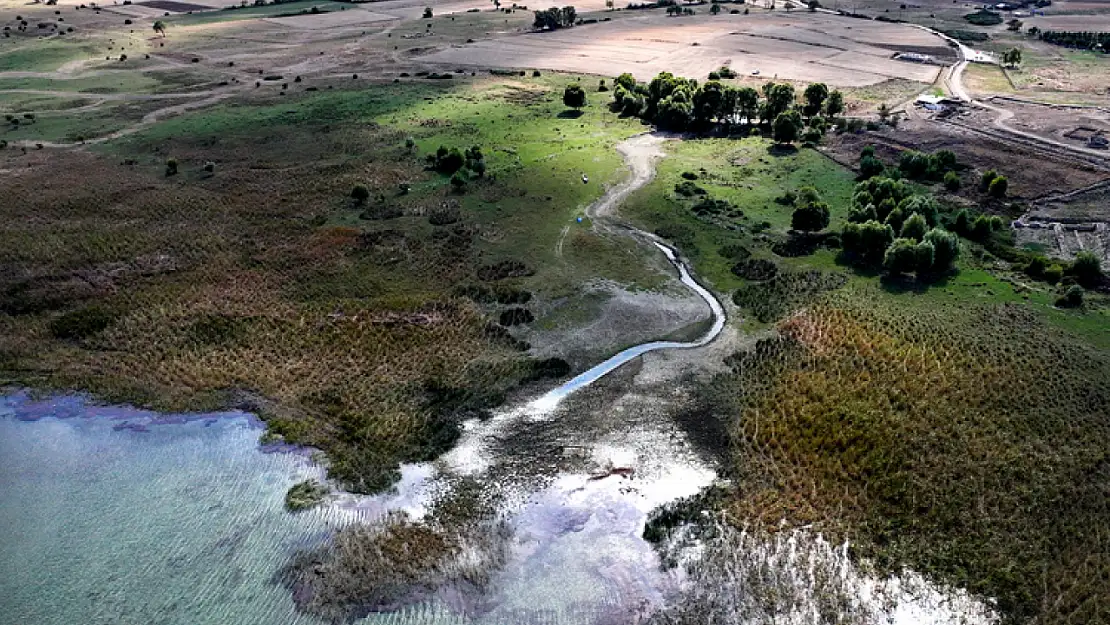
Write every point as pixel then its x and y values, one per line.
pixel 100 524
pixel 117 516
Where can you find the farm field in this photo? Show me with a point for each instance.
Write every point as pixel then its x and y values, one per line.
pixel 538 306
pixel 805 48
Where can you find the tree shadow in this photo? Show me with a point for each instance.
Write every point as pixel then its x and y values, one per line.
pixel 570 114
pixel 780 150
pixel 899 285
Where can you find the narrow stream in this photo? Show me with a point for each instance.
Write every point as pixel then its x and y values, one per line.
pixel 593 374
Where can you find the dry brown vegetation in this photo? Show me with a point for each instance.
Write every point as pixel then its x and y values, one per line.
pixel 194 286
pixel 970 446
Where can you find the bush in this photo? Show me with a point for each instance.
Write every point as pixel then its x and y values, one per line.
pixel 305 495
pixel 1072 298
pixel 907 256
pixel 689 189
pixel 810 217
pixel 209 167
pixel 866 243
pixel 987 178
pixel 952 181
pixel 914 228
pixel 360 193
pixel 171 167
pixel 998 187
pixel 81 323
pixel 458 180
pixel 946 249
pixel 1036 267
pixel 1053 274
pixel 1087 269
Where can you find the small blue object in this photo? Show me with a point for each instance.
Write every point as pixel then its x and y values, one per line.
pixel 579 220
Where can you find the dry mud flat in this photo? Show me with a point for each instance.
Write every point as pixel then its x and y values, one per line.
pixel 805 47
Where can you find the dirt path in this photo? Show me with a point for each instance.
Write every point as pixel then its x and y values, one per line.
pixel 640 155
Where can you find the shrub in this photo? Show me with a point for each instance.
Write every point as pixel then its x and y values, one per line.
pixel 459 179
pixel 946 248
pixel 209 166
pixel 171 167
pixel 81 323
pixel 360 193
pixel 1086 269
pixel 811 216
pixel 689 189
pixel 1036 266
pixel 986 179
pixel 914 228
pixel 998 187
pixel 952 181
pixel 1072 298
pixel 866 243
pixel 305 495
pixel 1053 274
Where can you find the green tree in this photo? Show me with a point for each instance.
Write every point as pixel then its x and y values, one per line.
pixel 779 99
pixel 574 96
pixel 747 103
pixel 428 13
pixel 946 249
pixel 1072 298
pixel 1087 269
pixel 458 180
pixel 869 167
pixel 835 104
pixel 865 243
pixel 714 9
pixel 1012 57
pixel 171 167
pixel 810 217
pixel 160 27
pixel 998 187
pixel 908 256
pixel 709 102
pixel 627 81
pixel 987 178
pixel 962 223
pixel 952 181
pixel 815 96
pixel 914 228
pixel 360 193
pixel 787 127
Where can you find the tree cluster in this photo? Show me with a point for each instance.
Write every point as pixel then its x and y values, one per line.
pixel 889 225
pixel 675 103
pixel 555 18
pixel 461 165
pixel 1099 41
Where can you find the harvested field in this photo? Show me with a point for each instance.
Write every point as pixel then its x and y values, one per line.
pixel 803 47
pixel 333 19
pixel 171 5
pixel 1081 23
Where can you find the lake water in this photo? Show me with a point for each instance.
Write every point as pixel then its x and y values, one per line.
pixel 117 516
pixel 124 517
